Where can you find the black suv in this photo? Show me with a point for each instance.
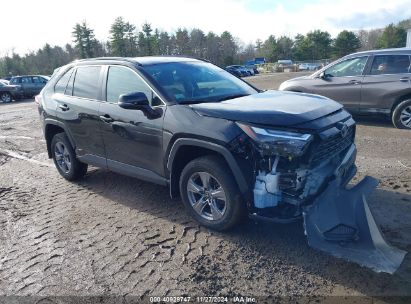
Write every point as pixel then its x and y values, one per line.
pixel 226 147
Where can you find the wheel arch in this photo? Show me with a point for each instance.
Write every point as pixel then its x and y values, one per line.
pixel 51 128
pixel 185 150
pixel 400 99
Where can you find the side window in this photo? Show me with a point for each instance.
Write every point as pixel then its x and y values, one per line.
pixel 86 83
pixel 36 79
pixel 122 80
pixel 349 67
pixel 61 84
pixel 390 64
pixel 26 80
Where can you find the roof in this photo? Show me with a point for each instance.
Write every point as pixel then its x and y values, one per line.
pixel 384 51
pixel 145 60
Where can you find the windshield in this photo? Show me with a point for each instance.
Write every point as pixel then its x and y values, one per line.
pixel 196 82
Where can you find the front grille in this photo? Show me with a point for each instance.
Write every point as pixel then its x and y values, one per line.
pixel 332 146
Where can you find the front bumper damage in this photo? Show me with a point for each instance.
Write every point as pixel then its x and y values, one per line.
pixel 313 185
pixel 340 222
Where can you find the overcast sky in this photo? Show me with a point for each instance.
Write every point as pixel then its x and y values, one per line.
pixel 28 25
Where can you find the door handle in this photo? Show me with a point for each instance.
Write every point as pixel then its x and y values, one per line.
pixel 405 79
pixel 64 107
pixel 354 81
pixel 106 118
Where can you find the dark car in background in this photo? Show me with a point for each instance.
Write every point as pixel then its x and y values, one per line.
pixel 241 70
pixel 371 82
pixel 236 72
pixel 9 92
pixel 31 84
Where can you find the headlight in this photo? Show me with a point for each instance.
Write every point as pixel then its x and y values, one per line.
pixel 277 142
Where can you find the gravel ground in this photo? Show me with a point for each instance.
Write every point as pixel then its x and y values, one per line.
pixel 115 235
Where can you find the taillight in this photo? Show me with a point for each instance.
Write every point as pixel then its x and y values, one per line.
pixel 37 99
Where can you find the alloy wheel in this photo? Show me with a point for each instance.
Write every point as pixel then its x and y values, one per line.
pixel 405 117
pixel 62 156
pixel 5 97
pixel 206 196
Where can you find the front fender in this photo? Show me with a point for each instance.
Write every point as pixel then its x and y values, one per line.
pixel 224 152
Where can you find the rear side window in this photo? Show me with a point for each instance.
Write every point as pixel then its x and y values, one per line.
pixel 86 83
pixel 390 64
pixel 122 80
pixel 61 85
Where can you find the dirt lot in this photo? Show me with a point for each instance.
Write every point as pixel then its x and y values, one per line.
pixel 114 235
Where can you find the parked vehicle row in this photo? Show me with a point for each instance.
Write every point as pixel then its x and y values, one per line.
pixel 242 70
pixel 17 87
pixel 309 66
pixel 371 82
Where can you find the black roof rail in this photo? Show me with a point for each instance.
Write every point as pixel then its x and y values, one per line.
pixel 131 60
pixel 182 56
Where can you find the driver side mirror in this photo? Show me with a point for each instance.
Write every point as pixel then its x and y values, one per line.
pixel 324 76
pixel 134 101
pixel 139 101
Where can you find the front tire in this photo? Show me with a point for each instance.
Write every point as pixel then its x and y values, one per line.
pixel 5 97
pixel 65 158
pixel 210 193
pixel 401 116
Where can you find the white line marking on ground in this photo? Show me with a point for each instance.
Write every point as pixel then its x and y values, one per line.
pixel 22 157
pixel 16 137
pixel 403 165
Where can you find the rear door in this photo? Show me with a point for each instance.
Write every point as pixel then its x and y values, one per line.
pixel 342 82
pixel 28 86
pixel 388 78
pixel 78 108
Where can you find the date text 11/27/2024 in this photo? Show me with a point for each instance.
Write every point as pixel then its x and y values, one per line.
pixel 202 299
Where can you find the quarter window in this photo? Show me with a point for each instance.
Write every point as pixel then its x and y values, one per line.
pixel 121 80
pixel 390 64
pixel 86 83
pixel 349 67
pixel 61 85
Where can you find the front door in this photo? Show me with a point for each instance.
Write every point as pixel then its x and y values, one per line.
pixel 342 82
pixel 131 137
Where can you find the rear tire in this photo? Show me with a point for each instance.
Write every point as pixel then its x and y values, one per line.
pixel 401 116
pixel 210 193
pixel 65 158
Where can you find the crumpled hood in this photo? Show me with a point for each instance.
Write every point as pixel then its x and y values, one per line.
pixel 271 108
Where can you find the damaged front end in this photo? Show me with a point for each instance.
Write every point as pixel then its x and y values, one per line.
pixel 305 175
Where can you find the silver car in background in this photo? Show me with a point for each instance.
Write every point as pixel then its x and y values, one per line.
pixel 371 82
